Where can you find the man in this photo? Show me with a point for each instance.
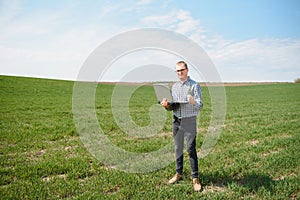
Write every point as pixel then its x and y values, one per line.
pixel 188 93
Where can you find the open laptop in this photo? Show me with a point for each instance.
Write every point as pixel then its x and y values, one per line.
pixel 162 90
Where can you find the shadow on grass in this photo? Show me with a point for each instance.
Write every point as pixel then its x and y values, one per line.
pixel 252 182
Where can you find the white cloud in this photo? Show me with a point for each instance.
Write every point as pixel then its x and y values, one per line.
pixel 180 21
pixel 253 56
pixel 256 59
pixel 8 10
pixel 144 2
pixel 53 39
pixel 48 43
pixel 186 23
pixel 160 20
pixel 276 53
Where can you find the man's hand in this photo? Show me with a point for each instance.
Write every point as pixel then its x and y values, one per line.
pixel 191 99
pixel 164 103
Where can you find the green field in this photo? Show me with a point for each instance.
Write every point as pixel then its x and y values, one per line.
pixel 42 156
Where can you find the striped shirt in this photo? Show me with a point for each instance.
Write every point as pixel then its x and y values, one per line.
pixel 180 91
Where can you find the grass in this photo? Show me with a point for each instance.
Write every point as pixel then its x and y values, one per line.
pixel 42 156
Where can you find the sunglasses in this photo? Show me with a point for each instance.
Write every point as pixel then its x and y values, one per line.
pixel 180 70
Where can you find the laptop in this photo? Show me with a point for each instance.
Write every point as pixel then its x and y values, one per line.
pixel 162 90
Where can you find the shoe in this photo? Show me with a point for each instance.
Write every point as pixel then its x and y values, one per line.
pixel 176 177
pixel 197 185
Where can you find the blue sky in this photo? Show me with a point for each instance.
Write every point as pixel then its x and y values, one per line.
pixel 251 40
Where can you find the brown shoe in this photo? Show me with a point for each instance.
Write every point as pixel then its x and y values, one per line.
pixel 197 185
pixel 176 177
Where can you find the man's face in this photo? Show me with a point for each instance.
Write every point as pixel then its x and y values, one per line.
pixel 182 72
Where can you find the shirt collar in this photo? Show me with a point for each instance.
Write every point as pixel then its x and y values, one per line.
pixel 187 80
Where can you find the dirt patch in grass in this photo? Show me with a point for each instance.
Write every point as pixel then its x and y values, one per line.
pixel 283 176
pixel 49 178
pixel 271 152
pixel 253 142
pixel 214 189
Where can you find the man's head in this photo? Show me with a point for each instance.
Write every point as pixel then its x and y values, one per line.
pixel 182 70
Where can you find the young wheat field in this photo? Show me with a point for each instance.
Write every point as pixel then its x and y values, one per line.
pixel 42 157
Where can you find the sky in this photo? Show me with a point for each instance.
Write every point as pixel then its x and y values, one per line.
pixel 248 41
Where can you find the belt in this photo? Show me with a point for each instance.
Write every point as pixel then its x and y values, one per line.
pixel 176 119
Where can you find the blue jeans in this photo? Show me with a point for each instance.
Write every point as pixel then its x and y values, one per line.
pixel 185 127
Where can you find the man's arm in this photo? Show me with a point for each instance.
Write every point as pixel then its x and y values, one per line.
pixel 169 106
pixel 196 98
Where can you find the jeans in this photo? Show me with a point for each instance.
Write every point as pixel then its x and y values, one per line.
pixel 185 127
